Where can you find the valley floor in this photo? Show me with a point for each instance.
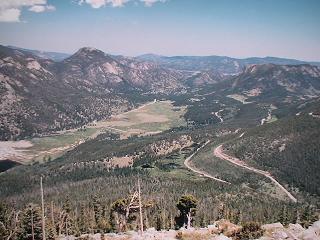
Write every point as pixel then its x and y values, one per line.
pixel 150 118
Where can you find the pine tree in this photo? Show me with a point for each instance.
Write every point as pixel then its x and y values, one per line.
pixel 83 219
pixel 237 217
pixel 68 228
pixel 31 223
pixel 306 215
pixel 221 212
pixel 298 219
pixel 4 213
pixel 97 209
pixel 187 205
pixel 51 231
pixel 283 216
pixel 159 222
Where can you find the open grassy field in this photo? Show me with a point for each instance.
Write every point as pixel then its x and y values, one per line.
pixel 153 117
pixel 150 118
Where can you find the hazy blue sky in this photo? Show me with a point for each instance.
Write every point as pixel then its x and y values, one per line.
pixel 238 28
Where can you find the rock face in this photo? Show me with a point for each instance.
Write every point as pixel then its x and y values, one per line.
pixel 277 231
pixel 123 74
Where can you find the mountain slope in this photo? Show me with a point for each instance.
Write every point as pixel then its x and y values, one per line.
pixel 35 101
pixel 289 148
pixel 260 94
pixel 55 56
pixel 39 96
pixel 302 79
pixel 117 73
pixel 277 83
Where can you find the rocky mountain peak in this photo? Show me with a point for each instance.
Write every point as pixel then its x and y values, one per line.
pixel 259 68
pixel 88 53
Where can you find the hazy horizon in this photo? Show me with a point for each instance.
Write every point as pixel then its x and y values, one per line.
pixel 286 29
pixel 127 55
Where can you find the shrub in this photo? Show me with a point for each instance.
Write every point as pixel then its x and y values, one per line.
pixel 250 230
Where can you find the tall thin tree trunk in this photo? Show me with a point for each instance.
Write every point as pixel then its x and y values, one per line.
pixel 140 207
pixel 146 220
pixel 42 214
pixel 52 213
pixel 67 219
pixel 189 220
pixel 164 222
pixel 32 227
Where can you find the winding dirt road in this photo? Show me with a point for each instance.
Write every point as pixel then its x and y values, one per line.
pixel 217 114
pixel 201 173
pixel 218 152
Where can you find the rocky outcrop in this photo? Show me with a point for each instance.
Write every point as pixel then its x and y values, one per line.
pixel 221 230
pixel 277 231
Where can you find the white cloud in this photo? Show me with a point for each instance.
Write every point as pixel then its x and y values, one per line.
pixel 10 10
pixel 149 3
pixel 41 8
pixel 10 15
pixel 116 3
pixel 95 3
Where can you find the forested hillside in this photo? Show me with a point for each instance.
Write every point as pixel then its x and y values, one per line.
pixel 289 148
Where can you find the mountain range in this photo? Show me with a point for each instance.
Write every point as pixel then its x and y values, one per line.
pixel 55 56
pixel 40 95
pixel 220 64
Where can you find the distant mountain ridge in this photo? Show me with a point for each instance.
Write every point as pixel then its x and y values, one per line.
pixel 180 61
pixel 55 56
pixel 220 64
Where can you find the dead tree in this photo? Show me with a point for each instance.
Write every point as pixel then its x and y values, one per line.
pixel 42 212
pixel 122 209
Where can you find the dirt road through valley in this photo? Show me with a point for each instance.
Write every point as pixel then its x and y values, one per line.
pixel 202 173
pixel 218 152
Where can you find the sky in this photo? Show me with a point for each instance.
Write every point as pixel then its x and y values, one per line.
pixel 235 28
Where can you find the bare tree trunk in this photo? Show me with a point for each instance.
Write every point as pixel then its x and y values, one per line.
pixel 164 223
pixel 15 225
pixel 42 215
pixel 32 227
pixel 67 218
pixel 147 220
pixel 189 220
pixel 140 207
pixel 52 213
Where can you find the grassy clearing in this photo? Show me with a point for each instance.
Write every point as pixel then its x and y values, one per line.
pixel 273 119
pixel 240 98
pixel 45 143
pixel 152 117
pixel 159 116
